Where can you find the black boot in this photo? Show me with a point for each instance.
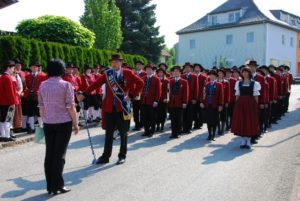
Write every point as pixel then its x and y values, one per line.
pixel 157 128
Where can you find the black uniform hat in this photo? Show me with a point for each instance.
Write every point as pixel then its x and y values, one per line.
pixel 69 65
pixel 252 63
pixel 10 63
pixel 261 72
pixel 213 72
pixel 176 68
pixel 199 65
pixel 163 64
pixel 221 70
pixel 139 62
pixel 36 63
pixel 188 64
pixel 152 66
pixel 161 70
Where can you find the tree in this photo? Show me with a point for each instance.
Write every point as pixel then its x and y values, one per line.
pixel 104 19
pixel 172 59
pixel 56 29
pixel 139 31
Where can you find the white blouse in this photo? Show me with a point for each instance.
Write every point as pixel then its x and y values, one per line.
pixel 256 88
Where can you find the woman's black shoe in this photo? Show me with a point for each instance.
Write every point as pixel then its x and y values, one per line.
pixel 62 190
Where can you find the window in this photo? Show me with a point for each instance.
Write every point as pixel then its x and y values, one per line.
pixel 214 20
pixel 192 44
pixel 283 39
pixel 250 37
pixel 292 42
pixel 231 17
pixel 237 16
pixel 229 39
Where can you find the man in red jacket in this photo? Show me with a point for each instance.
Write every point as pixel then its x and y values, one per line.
pixel 149 99
pixel 116 104
pixel 232 80
pixel 262 97
pixel 202 79
pixel 7 101
pixel 163 101
pixel 33 82
pixel 179 93
pixel 289 75
pixel 136 103
pixel 192 80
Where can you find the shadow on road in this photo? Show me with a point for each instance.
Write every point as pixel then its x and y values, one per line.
pixel 195 142
pixel 225 152
pixel 150 142
pixel 71 178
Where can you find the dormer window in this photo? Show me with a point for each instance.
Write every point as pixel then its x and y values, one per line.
pixel 231 17
pixel 214 20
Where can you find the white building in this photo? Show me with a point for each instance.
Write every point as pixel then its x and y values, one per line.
pixel 239 30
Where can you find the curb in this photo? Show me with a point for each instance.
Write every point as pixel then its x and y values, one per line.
pixel 17 142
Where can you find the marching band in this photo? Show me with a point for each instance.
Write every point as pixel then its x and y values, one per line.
pixel 245 100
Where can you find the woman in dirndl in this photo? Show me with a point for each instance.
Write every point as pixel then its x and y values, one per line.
pixel 245 115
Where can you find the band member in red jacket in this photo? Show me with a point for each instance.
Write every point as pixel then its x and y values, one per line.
pixel 87 79
pixel 163 101
pixel 262 97
pixel 232 80
pixel 188 112
pixel 149 99
pixel 226 90
pixel 97 98
pixel 283 87
pixel 136 103
pixel 179 93
pixel 212 102
pixel 202 79
pixel 33 82
pixel 245 122
pixel 289 75
pixel 7 101
pixel 116 104
pixel 272 95
pixel 164 67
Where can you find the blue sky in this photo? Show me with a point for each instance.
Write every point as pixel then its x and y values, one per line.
pixel 172 15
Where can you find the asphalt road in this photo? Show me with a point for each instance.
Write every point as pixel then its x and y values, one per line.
pixel 158 169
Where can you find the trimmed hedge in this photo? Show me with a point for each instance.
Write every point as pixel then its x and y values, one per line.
pixel 30 50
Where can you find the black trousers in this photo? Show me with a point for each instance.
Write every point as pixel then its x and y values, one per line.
pixel 136 107
pixel 229 115
pixel 188 117
pixel 92 101
pixel 57 137
pixel 161 114
pixel 198 121
pixel 3 113
pixel 115 120
pixel 287 102
pixel 32 108
pixel 176 121
pixel 262 116
pixel 148 118
pixel 268 117
pixel 24 106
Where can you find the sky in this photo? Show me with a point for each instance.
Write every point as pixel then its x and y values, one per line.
pixel 172 15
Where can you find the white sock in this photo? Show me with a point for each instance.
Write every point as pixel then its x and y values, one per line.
pixel 243 141
pixel 2 130
pixel 24 121
pixel 95 114
pixel 85 114
pixel 249 141
pixel 100 112
pixel 7 126
pixel 78 115
pixel 41 124
pixel 90 113
pixel 31 122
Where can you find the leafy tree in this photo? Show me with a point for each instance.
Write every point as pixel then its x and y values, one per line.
pixel 104 19
pixel 56 29
pixel 139 31
pixel 172 59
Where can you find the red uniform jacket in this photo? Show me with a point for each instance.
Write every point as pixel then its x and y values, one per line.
pixel 182 94
pixel 141 74
pixel 202 80
pixel 7 91
pixel 261 80
pixel 164 89
pixel 226 90
pixel 78 80
pixel 98 91
pixel 193 85
pixel 154 92
pixel 284 85
pixel 272 87
pixel 291 79
pixel 40 77
pixel 87 81
pixel 129 79
pixel 168 75
pixel 267 91
pixel 232 82
pixel 218 96
pixel 71 79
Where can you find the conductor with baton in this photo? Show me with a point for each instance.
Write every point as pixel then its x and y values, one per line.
pixel 116 104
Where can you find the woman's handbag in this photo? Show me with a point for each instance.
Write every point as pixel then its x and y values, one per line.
pixel 39 136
